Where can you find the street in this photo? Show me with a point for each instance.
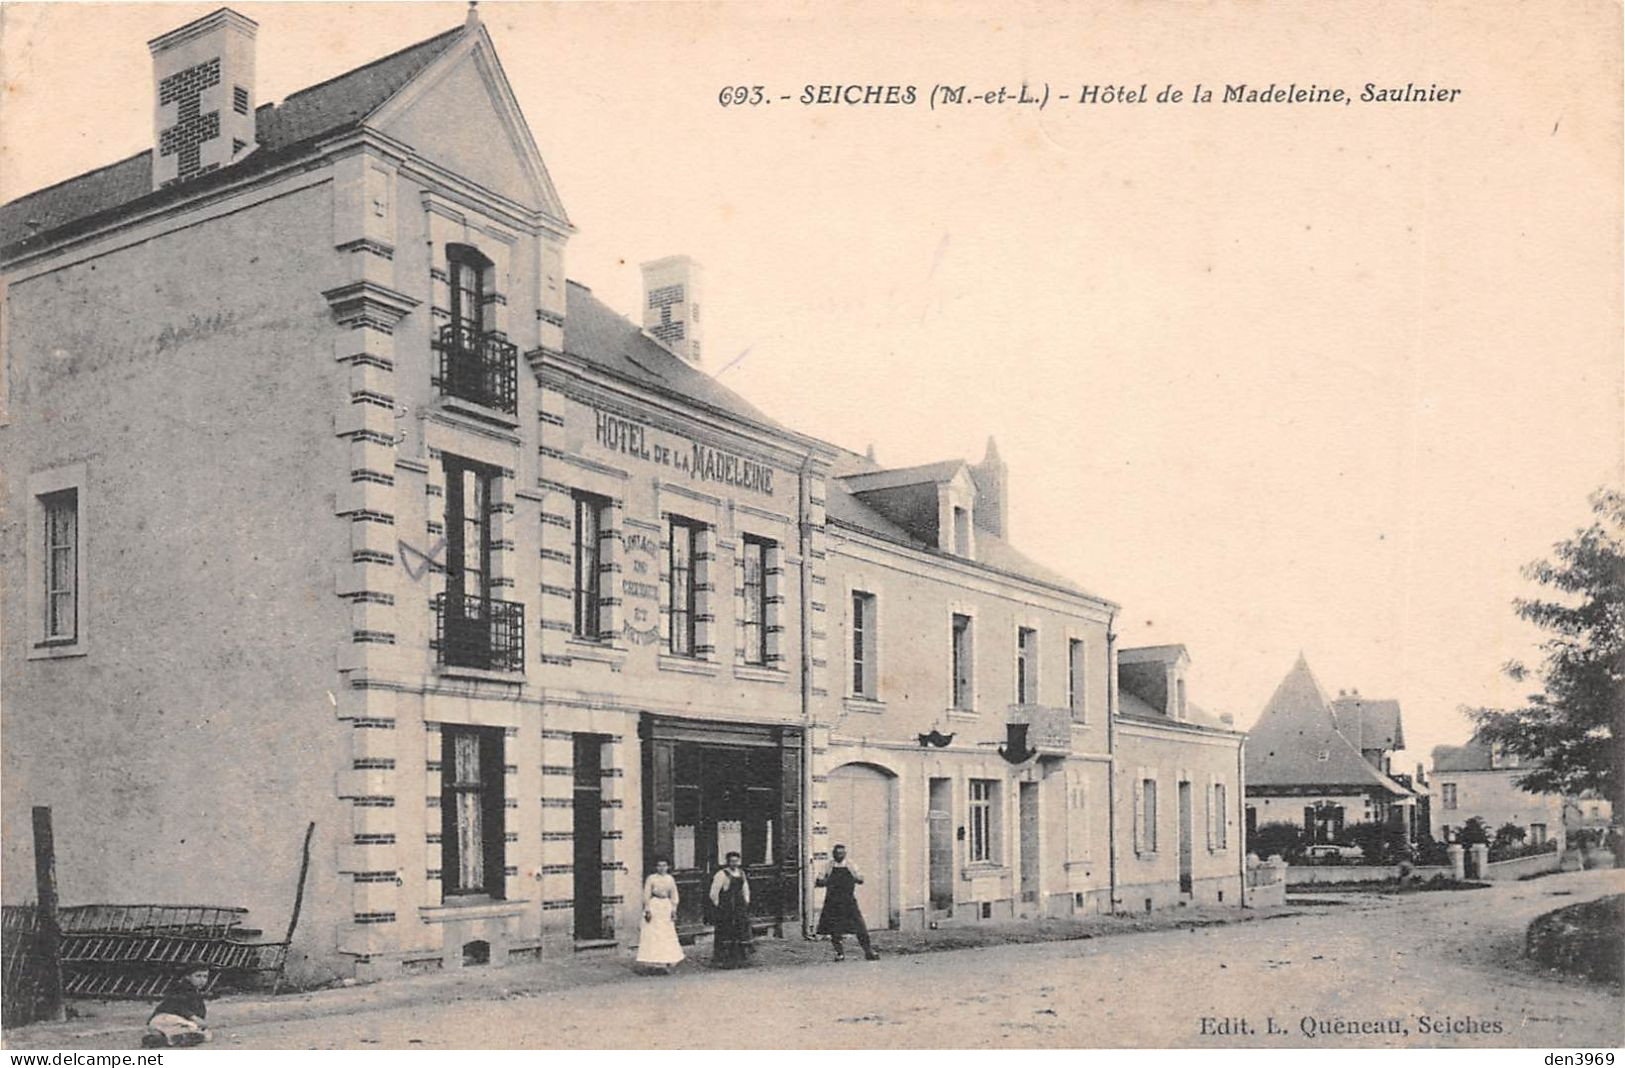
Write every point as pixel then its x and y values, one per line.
pixel 1426 969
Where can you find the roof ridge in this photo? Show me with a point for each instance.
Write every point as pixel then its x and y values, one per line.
pixel 372 63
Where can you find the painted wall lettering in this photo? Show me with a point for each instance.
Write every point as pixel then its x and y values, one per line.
pixel 700 462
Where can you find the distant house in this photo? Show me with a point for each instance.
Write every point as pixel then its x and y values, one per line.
pixel 1478 779
pixel 1587 812
pixel 1325 764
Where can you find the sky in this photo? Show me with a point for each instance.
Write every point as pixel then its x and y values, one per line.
pixel 1274 378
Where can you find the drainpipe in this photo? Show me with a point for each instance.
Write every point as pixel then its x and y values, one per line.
pixel 1241 824
pixel 804 529
pixel 1111 763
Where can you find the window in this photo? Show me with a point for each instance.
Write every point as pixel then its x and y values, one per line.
pixel 471 811
pixel 1026 666
pixel 467 271
pixel 61 602
pixel 984 821
pixel 863 644
pixel 684 586
pixel 590 515
pixel 1323 822
pixel 474 630
pixel 1179 699
pixel 1217 815
pixel 963 696
pixel 1076 698
pixel 753 621
pixel 1449 798
pixel 1537 834
pixel 477 362
pixel 1145 813
pixel 961 531
pixel 1077 816
pixel 468 529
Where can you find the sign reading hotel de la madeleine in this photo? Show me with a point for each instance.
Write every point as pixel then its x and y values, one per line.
pixel 683 455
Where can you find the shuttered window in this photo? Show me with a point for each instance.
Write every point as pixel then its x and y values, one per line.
pixel 680 610
pixel 589 533
pixel 753 620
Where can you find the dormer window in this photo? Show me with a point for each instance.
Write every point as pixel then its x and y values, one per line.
pixel 477 362
pixel 961 531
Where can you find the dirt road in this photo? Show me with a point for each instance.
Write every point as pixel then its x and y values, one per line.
pixel 1431 969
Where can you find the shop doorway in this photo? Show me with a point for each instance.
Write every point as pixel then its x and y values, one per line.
pixel 710 789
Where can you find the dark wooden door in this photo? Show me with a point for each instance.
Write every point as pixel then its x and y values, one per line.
pixel 1185 882
pixel 940 820
pixel 1029 841
pixel 589 837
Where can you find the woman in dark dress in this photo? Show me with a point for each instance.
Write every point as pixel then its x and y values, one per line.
pixel 730 900
pixel 841 915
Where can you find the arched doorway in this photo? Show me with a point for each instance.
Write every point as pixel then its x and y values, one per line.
pixel 863 817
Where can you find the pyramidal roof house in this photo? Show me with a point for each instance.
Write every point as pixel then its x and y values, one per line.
pixel 1308 752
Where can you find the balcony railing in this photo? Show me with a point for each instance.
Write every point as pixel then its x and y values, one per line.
pixel 1049 730
pixel 478 632
pixel 479 367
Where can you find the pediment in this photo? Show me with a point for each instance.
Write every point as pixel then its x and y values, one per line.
pixel 460 114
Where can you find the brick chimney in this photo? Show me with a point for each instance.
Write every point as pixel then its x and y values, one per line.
pixel 671 305
pixel 992 511
pixel 203 96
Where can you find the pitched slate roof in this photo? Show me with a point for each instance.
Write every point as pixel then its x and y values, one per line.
pixel 1474 756
pixel 1151 653
pixel 1296 742
pixel 892 477
pixel 992 552
pixel 317 111
pixel 603 337
pixel 1369 724
pixel 1132 707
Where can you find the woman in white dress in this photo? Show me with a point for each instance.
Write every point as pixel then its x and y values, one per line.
pixel 657 941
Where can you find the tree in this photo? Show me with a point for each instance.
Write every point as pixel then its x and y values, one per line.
pixel 1276 839
pixel 1508 835
pixel 1379 842
pixel 1571 732
pixel 1473 832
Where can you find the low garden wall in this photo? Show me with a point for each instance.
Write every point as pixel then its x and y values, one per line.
pixel 1329 874
pixel 1522 866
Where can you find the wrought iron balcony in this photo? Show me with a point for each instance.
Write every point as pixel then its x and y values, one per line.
pixel 479 632
pixel 1048 730
pixel 482 368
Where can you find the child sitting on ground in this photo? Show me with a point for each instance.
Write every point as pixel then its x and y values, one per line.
pixel 177 1020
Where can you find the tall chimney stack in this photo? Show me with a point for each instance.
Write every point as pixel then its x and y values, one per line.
pixel 203 89
pixel 992 509
pixel 671 305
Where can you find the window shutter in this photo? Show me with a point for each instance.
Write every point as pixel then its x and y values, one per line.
pixel 609 571
pixel 493 803
pixel 1210 814
pixel 789 831
pixel 1139 811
